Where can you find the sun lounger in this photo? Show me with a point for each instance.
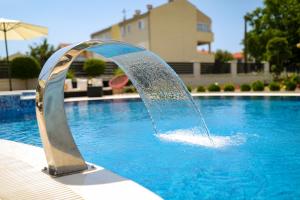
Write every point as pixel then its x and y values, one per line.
pixel 80 91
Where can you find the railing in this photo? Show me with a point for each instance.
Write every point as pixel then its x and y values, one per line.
pixel 249 67
pixel 215 68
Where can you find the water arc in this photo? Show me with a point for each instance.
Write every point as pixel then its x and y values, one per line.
pixel 160 88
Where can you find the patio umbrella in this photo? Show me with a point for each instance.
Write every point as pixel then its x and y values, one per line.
pixel 17 30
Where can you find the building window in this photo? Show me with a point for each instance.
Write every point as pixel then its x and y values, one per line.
pixel 105 36
pixel 141 24
pixel 128 28
pixel 123 31
pixel 203 27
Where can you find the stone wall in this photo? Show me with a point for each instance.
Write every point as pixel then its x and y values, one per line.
pixel 18 84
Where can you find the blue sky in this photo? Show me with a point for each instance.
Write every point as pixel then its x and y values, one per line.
pixel 71 21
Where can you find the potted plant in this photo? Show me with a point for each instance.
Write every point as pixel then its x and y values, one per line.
pixel 71 75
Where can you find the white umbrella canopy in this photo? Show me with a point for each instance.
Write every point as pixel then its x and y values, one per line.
pixel 17 30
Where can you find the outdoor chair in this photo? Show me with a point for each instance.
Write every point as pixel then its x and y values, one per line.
pixel 80 91
pixel 95 88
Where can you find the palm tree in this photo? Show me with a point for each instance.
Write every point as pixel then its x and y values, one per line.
pixel 41 52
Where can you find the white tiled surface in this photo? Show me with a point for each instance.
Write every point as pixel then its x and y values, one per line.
pixel 20 173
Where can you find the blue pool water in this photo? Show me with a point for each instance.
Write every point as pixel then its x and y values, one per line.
pixel 258 156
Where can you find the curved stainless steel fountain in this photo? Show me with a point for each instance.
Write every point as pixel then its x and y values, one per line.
pixel 158 85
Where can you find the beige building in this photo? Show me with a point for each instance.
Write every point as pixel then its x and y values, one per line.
pixel 175 31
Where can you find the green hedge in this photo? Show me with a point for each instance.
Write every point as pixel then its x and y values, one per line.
pixel 214 88
pixel 258 86
pixel 290 85
pixel 229 88
pixel 189 88
pixel 130 90
pixel 201 89
pixel 245 87
pixel 274 86
pixel 25 67
pixel 94 67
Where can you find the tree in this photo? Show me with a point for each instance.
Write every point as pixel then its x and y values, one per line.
pixel 25 68
pixel 41 52
pixel 278 18
pixel 278 53
pixel 223 56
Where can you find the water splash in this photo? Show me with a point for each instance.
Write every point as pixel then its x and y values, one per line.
pixel 192 137
pixel 168 102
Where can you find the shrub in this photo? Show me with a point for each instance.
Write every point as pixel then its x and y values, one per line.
pixel 295 78
pixel 70 75
pixel 94 67
pixel 245 87
pixel 274 86
pixel 229 88
pixel 189 88
pixel 130 90
pixel 201 89
pixel 118 72
pixel 25 67
pixel 214 88
pixel 290 85
pixel 258 86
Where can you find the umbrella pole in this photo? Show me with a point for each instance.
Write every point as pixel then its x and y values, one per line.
pixel 7 59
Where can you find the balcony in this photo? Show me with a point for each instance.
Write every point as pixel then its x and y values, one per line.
pixel 204 37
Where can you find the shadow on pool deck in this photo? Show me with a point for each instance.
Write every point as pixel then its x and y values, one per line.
pixel 95 177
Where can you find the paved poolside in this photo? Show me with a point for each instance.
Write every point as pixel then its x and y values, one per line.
pixel 21 178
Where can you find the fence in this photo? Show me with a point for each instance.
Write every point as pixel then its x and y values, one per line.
pixel 292 69
pixel 77 68
pixel 215 68
pixel 192 73
pixel 179 68
pixel 3 69
pixel 182 68
pixel 250 67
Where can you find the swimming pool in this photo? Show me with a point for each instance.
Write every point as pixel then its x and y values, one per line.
pixel 260 158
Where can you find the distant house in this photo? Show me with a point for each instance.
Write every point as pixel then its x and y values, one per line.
pixel 174 31
pixel 238 56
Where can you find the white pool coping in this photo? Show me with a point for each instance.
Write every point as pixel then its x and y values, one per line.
pixel 136 96
pixel 204 94
pixel 98 183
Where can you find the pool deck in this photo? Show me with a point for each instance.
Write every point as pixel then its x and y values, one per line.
pixel 21 177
